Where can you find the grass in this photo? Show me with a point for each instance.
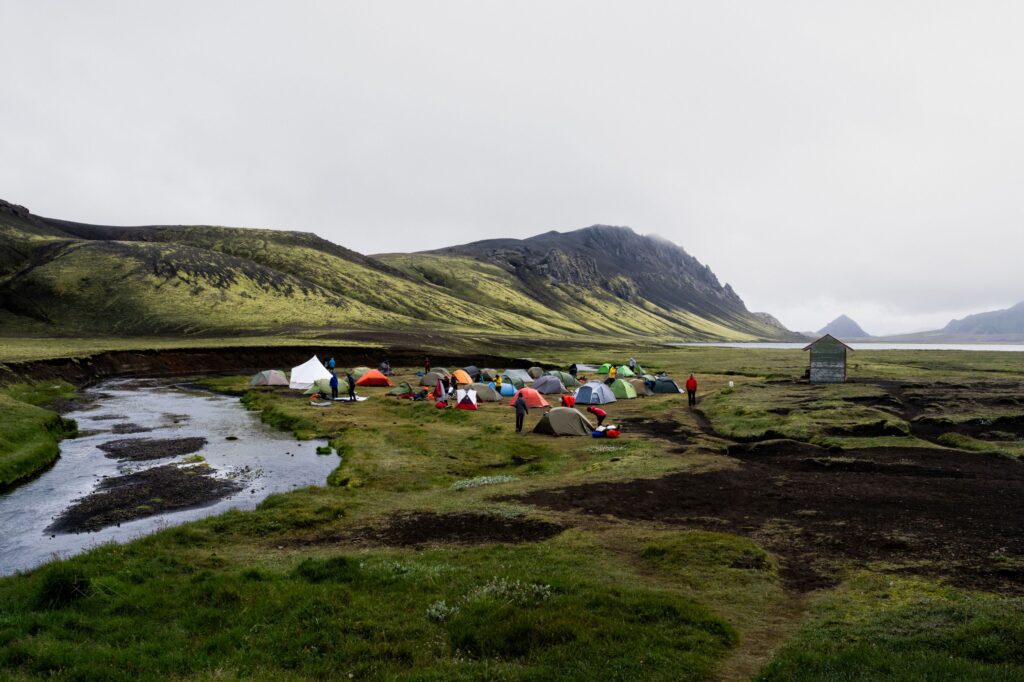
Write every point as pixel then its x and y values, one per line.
pixel 284 592
pixel 29 434
pixel 877 627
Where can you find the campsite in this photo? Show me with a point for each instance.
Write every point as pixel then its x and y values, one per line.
pixel 779 528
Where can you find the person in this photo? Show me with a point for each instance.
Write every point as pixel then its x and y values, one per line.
pixel 632 364
pixel 521 409
pixel 611 373
pixel 330 364
pixel 497 383
pixel 573 369
pixel 334 386
pixel 691 391
pixel 351 386
pixel 446 385
pixel 385 368
pixel 426 365
pixel 568 400
pixel 597 412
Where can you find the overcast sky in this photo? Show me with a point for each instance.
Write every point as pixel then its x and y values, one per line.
pixel 822 157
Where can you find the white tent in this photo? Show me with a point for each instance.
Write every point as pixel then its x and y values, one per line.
pixel 305 374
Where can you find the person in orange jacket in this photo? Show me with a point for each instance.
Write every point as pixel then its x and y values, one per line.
pixel 691 391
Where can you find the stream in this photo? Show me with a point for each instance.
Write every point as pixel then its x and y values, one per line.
pixel 151 455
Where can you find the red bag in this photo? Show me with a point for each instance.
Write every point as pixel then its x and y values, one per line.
pixel 611 433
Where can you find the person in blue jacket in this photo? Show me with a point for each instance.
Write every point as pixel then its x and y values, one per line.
pixel 334 386
pixel 330 364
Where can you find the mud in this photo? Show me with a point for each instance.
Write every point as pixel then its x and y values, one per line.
pixel 143 493
pixel 128 427
pixel 938 512
pixel 143 449
pixel 666 429
pixel 427 528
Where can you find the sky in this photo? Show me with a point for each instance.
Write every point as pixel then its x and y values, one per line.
pixel 822 157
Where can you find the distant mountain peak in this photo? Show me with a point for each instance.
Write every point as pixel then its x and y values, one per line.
pixel 844 327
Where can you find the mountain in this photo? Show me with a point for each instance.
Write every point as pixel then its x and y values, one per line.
pixel 68 278
pixel 995 326
pixel 843 328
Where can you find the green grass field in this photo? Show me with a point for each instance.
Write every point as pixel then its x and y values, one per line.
pixel 314 583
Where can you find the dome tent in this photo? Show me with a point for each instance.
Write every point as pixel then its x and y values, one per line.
pixel 564 421
pixel 358 373
pixel 508 388
pixel 401 389
pixel 533 399
pixel 305 374
pixel 520 374
pixel 605 368
pixel 568 380
pixel 548 385
pixel 461 377
pixel 488 374
pixel 640 386
pixel 535 372
pixel 664 384
pixel 486 393
pixel 269 377
pixel 508 380
pixel 432 377
pixel 466 400
pixel 624 371
pixel 473 371
pixel 623 390
pixel 323 387
pixel 373 377
pixel 594 393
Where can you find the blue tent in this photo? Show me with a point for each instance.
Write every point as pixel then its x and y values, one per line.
pixel 594 393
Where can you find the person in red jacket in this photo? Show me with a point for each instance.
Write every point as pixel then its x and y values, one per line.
pixel 597 412
pixel 691 391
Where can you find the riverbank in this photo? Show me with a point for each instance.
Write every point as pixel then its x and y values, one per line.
pixel 30 435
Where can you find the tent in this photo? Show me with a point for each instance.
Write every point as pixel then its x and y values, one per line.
pixel 564 421
pixel 548 384
pixel 358 373
pixel 508 388
pixel 535 372
pixel 461 377
pixel 488 374
pixel 431 378
pixel 473 371
pixel 533 399
pixel 624 371
pixel 323 387
pixel 466 400
pixel 605 368
pixel 441 370
pixel 373 378
pixel 512 381
pixel 594 393
pixel 305 374
pixel 623 390
pixel 665 384
pixel 640 386
pixel 520 374
pixel 269 377
pixel 402 389
pixel 486 393
pixel 568 380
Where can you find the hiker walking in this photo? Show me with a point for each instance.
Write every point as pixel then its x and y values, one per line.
pixel 334 386
pixel 426 365
pixel 521 409
pixel 632 364
pixel 351 386
pixel 691 391
pixel 598 413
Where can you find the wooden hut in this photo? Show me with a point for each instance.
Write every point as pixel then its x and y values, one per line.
pixel 828 360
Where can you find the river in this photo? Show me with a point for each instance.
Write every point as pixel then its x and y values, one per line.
pixel 248 461
pixel 1008 347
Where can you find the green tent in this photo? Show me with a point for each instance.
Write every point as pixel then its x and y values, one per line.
pixel 358 372
pixel 623 390
pixel 568 380
pixel 564 421
pixel 624 371
pixel 605 368
pixel 323 387
pixel 515 381
pixel 401 389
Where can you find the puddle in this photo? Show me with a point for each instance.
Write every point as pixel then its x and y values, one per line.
pixel 255 459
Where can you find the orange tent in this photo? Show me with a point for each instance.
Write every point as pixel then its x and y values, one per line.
pixel 373 378
pixel 460 376
pixel 533 398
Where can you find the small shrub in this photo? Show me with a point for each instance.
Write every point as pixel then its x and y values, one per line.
pixel 467 483
pixel 324 450
pixel 439 611
pixel 62 585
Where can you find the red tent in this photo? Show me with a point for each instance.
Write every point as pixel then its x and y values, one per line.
pixel 533 398
pixel 373 378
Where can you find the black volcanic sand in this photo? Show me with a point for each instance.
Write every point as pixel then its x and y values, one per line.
pixel 143 449
pixel 936 512
pixel 129 427
pixel 143 493
pixel 427 528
